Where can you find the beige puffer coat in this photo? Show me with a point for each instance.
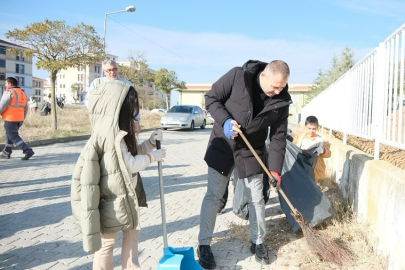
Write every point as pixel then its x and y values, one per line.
pixel 102 196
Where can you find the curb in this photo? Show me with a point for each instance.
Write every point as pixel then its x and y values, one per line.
pixel 62 140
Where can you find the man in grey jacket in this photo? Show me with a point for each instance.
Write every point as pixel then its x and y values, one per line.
pixel 247 99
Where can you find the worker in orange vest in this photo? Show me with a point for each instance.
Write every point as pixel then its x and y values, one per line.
pixel 13 109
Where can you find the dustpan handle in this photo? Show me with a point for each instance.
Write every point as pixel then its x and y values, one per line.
pixel 162 198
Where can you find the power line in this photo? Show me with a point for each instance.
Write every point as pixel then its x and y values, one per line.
pixel 163 47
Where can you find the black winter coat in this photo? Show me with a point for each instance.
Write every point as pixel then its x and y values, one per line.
pixel 231 97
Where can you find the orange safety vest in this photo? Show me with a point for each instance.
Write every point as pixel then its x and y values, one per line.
pixel 15 109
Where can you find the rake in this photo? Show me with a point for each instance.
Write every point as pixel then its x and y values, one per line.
pixel 327 250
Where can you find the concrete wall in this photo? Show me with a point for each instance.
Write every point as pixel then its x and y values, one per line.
pixel 376 191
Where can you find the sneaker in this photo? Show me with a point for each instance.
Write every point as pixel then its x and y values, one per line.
pixel 206 257
pixel 4 156
pixel 28 154
pixel 261 254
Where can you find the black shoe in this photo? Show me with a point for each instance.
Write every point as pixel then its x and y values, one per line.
pixel 206 257
pixel 261 254
pixel 28 155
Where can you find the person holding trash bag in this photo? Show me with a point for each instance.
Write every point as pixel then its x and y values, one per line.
pixel 311 140
pixel 103 194
pixel 246 99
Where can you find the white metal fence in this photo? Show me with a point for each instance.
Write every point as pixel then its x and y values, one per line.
pixel 368 101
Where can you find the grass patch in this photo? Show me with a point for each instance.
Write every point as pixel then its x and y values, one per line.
pixel 73 120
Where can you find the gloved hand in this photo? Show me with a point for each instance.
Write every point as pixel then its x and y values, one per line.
pixel 157 155
pixel 156 135
pixel 228 128
pixel 276 181
pixel 319 149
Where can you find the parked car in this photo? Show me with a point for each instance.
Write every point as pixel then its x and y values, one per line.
pixel 184 116
pixel 159 111
pixel 210 120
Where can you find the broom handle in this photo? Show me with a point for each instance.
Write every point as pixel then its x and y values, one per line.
pixel 162 198
pixel 267 171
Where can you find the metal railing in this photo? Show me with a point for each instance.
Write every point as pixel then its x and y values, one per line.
pixel 368 100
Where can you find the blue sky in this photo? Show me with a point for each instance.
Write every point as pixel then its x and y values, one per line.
pixel 201 40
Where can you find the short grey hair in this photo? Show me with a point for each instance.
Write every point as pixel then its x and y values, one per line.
pixel 278 66
pixel 109 62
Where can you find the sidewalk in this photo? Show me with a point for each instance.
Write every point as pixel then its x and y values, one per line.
pixel 37 230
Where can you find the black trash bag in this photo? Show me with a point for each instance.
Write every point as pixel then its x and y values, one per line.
pixel 240 200
pixel 45 109
pixel 297 182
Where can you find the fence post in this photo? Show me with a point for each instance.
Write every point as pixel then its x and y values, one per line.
pixel 378 98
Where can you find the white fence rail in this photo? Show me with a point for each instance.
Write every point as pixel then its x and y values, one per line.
pixel 368 101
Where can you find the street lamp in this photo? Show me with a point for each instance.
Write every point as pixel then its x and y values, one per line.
pixel 127 9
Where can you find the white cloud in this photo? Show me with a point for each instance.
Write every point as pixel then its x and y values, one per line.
pixel 204 57
pixel 388 8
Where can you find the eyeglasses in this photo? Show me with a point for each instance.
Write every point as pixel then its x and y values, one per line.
pixel 111 70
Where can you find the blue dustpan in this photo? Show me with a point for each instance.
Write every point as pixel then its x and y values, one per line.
pixel 173 258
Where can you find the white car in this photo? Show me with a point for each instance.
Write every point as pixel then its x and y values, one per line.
pixel 184 116
pixel 210 120
pixel 159 111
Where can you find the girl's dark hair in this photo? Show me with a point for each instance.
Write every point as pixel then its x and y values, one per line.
pixel 129 109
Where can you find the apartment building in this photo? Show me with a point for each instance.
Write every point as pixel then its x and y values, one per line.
pixel 17 66
pixel 73 82
pixel 38 88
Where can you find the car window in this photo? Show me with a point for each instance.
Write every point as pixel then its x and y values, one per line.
pixel 181 109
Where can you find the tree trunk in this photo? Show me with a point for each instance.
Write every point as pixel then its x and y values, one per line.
pixel 167 102
pixel 53 100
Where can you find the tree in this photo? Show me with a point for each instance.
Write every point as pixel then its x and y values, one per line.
pixel 138 73
pixel 167 81
pixel 58 46
pixel 340 65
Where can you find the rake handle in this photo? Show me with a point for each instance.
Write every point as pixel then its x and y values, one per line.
pixel 267 172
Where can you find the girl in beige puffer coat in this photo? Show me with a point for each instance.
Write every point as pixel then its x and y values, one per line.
pixel 103 193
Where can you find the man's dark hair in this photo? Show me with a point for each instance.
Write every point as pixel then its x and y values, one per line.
pixel 278 66
pixel 311 120
pixel 13 81
pixel 130 107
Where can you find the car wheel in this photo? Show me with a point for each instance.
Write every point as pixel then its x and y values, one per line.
pixel 164 128
pixel 192 126
pixel 203 125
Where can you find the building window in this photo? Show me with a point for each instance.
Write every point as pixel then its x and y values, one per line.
pixel 19 57
pixel 19 68
pixel 97 69
pixel 2 76
pixel 2 63
pixel 21 81
pixel 2 50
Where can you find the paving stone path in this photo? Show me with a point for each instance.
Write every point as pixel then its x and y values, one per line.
pixel 37 229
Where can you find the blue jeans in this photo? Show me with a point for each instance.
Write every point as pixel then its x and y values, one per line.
pixel 12 137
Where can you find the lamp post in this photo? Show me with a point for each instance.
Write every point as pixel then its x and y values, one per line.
pixel 127 9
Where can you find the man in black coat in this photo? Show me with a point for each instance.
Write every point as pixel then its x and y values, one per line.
pixel 247 99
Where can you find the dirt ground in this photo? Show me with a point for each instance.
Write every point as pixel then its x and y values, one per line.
pixel 288 250
pixel 390 154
